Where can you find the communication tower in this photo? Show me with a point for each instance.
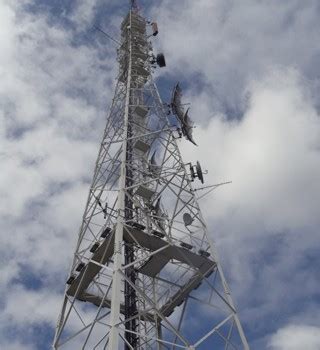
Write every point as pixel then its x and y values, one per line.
pixel 145 274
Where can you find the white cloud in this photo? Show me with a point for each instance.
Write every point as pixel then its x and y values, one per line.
pixel 296 337
pixel 15 345
pixel 83 12
pixel 37 307
pixel 252 68
pixel 52 99
pixel 228 43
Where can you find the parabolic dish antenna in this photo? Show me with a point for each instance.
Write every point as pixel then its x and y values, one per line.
pixel 199 172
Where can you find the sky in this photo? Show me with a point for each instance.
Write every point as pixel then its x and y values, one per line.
pixel 250 70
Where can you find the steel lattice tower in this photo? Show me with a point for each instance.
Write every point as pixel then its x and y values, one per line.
pixel 144 273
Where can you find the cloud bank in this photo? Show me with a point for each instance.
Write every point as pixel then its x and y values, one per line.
pixel 250 72
pixel 295 337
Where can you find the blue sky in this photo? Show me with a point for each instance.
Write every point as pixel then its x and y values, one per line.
pixel 250 70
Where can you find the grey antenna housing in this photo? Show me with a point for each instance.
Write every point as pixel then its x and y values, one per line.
pixel 187 219
pixel 160 59
pixel 196 172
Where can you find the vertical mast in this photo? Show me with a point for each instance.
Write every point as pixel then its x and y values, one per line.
pixel 130 37
pixel 129 253
pixel 123 212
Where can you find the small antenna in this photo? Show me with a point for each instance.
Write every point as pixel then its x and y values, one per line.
pixel 134 5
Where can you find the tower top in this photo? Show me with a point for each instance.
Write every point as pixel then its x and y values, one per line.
pixel 134 5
